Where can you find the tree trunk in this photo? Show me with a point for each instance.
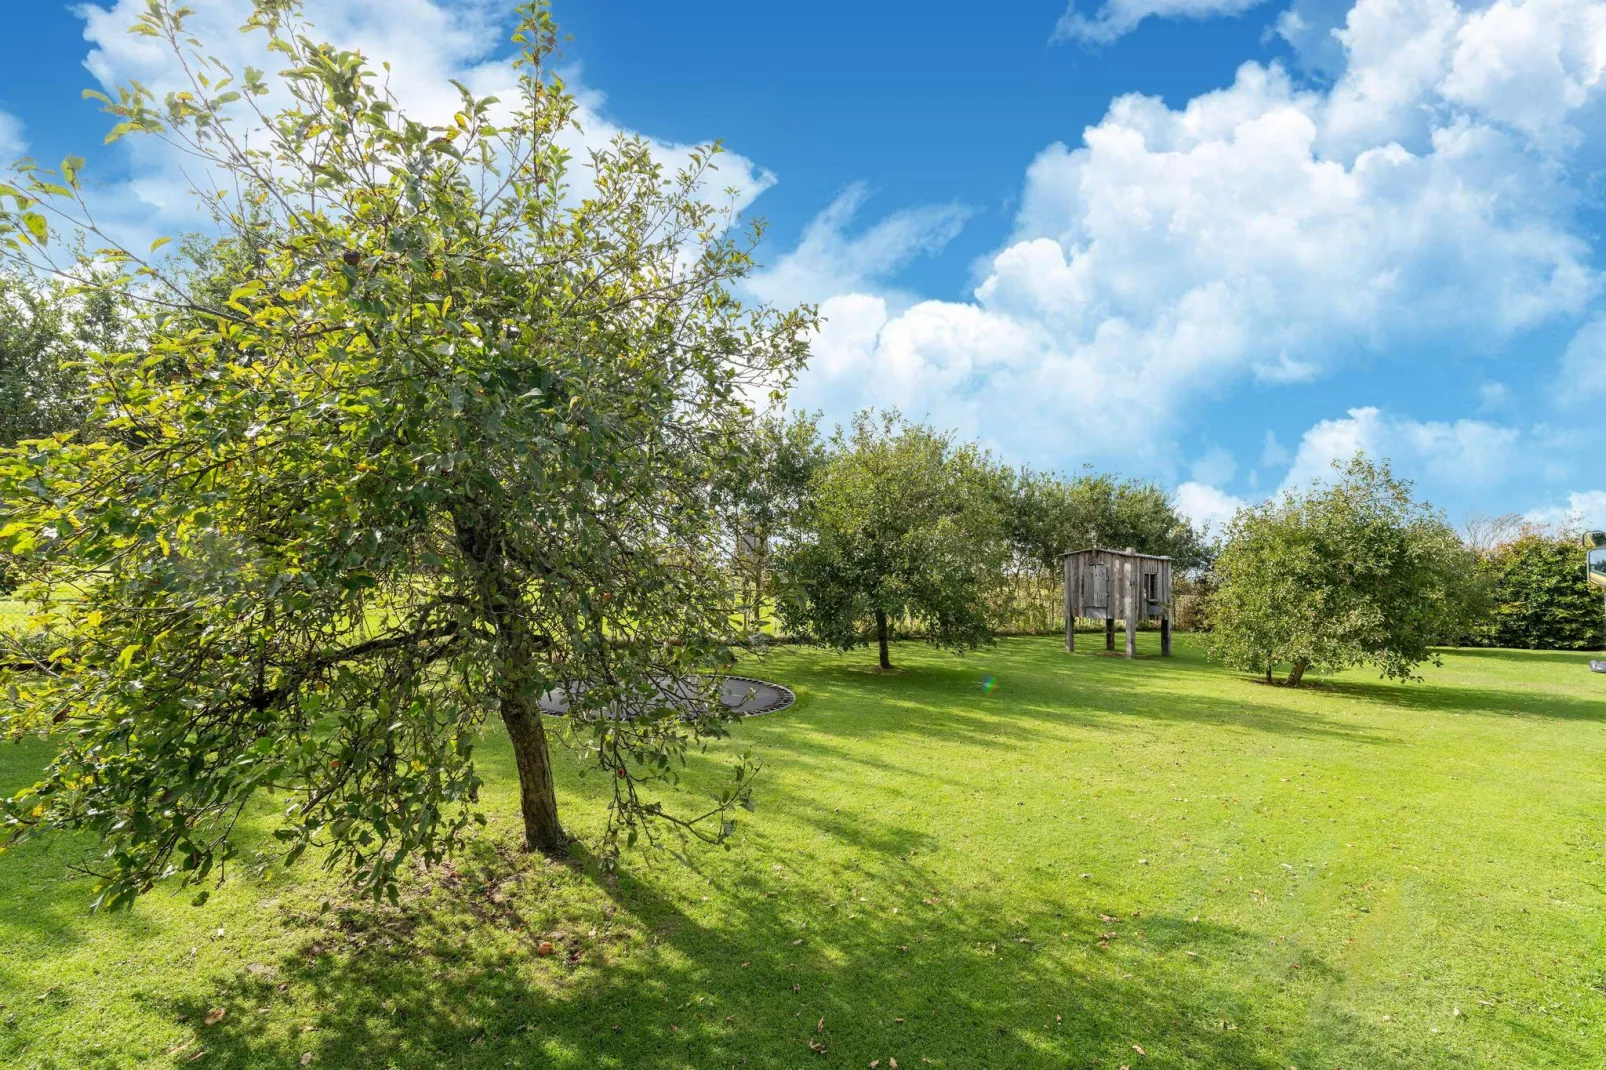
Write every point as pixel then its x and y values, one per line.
pixel 538 802
pixel 1297 673
pixel 517 694
pixel 1268 672
pixel 881 637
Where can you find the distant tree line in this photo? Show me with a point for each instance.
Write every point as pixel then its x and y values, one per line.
pixel 890 528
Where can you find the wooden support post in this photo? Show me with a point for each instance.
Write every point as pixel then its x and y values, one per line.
pixel 1134 604
pixel 1109 633
pixel 1165 609
pixel 1070 607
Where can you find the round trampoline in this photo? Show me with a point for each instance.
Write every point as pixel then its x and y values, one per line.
pixel 744 695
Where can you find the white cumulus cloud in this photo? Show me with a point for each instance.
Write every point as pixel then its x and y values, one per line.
pixel 427 43
pixel 1261 231
pixel 1208 507
pixel 1462 454
pixel 1583 367
pixel 1116 18
pixel 1583 510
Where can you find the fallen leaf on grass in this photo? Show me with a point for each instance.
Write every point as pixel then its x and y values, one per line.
pixel 306 1058
pixel 545 948
pixel 820 1028
pixel 215 1015
pixel 1139 1050
pixel 816 1047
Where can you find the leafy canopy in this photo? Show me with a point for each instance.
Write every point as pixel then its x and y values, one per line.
pixel 1355 571
pixel 901 523
pixel 1538 597
pixel 442 441
pixel 1049 515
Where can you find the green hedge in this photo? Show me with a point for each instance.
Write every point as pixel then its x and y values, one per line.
pixel 1539 598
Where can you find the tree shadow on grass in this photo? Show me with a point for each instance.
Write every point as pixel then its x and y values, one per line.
pixel 942 701
pixel 1571 658
pixel 1484 701
pixel 455 978
pixel 44 899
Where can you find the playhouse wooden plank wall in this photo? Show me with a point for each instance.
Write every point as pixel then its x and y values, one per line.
pixel 1111 585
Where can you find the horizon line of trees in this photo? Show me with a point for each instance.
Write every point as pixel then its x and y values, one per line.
pixel 890 528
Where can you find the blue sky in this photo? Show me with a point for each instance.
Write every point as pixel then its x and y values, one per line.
pixel 1215 243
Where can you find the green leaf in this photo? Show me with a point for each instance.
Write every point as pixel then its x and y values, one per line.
pixel 37 226
pixel 158 243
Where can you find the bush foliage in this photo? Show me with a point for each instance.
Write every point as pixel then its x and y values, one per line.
pixel 1538 599
pixel 1347 573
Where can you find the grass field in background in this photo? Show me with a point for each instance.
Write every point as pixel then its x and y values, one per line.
pixel 1095 863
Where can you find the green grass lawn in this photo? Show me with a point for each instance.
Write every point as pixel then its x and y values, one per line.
pixel 1095 857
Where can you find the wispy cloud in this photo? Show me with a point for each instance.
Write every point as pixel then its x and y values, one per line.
pixel 1116 18
pixel 1585 510
pixel 12 143
pixel 831 260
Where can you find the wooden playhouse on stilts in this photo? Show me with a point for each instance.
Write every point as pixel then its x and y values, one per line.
pixel 1111 585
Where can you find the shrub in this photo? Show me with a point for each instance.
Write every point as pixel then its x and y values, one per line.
pixel 1539 598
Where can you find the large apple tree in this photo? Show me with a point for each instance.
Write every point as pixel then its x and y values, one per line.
pixel 442 442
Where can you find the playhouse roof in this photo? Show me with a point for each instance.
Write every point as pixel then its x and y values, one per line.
pixel 1117 553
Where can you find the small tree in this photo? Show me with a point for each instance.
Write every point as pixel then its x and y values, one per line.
pixel 1348 573
pixel 1050 514
pixel 447 442
pixel 901 524
pixel 766 494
